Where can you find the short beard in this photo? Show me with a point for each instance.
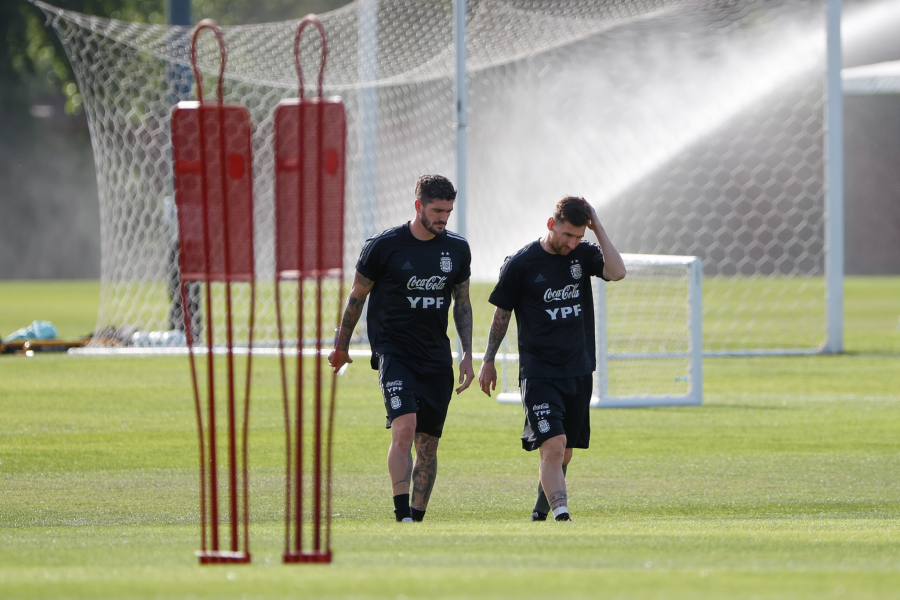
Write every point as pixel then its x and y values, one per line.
pixel 430 226
pixel 559 248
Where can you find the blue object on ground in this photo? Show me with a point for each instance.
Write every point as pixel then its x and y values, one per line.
pixel 38 330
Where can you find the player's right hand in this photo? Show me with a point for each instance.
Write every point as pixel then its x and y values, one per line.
pixel 595 220
pixel 487 377
pixel 339 358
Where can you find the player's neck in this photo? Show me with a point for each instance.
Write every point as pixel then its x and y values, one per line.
pixel 419 232
pixel 545 244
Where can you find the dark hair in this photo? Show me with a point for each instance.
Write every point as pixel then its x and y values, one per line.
pixel 434 187
pixel 574 210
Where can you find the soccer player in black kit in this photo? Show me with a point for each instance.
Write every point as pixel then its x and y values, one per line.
pixel 547 285
pixel 412 272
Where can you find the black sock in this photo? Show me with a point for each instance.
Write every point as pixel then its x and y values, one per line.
pixel 541 506
pixel 416 514
pixel 401 507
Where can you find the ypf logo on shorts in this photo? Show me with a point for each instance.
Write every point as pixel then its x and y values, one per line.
pixel 541 410
pixel 395 402
pixel 543 426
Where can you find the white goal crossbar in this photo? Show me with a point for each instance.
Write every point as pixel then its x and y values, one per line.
pixel 649 337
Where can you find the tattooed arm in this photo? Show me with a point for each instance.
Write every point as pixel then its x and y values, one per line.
pixel 487 376
pixel 462 316
pixel 358 294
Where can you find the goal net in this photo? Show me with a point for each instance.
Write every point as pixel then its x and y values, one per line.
pixel 694 126
pixel 649 337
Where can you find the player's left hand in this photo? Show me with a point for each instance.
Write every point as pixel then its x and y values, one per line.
pixel 466 373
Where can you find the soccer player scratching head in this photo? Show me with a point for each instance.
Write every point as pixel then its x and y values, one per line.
pixel 547 285
pixel 411 274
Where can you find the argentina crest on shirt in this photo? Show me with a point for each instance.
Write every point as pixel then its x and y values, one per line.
pixel 446 263
pixel 575 268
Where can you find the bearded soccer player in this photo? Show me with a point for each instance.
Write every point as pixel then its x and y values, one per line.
pixel 411 272
pixel 547 285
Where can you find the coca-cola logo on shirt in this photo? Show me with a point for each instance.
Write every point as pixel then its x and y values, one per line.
pixel 570 291
pixel 429 283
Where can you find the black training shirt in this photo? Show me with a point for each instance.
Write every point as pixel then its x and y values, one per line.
pixel 410 301
pixel 554 306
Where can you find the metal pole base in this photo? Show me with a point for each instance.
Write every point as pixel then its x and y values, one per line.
pixel 214 557
pixel 307 557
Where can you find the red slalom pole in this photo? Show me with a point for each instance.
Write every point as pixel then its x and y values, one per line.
pixel 213 180
pixel 210 368
pixel 245 441
pixel 317 514
pixel 287 419
pixel 189 336
pixel 298 467
pixel 328 460
pixel 309 196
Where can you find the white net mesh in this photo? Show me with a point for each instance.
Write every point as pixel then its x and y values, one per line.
pixel 695 127
pixel 648 332
pixel 644 335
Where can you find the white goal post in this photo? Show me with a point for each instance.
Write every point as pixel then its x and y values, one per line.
pixel 649 337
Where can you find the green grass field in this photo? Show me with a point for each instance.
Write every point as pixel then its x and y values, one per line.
pixel 784 484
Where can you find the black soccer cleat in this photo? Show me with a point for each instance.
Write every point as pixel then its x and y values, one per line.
pixel 538 516
pixel 563 517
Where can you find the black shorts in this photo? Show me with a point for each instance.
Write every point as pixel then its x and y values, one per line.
pixel 405 391
pixel 555 407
